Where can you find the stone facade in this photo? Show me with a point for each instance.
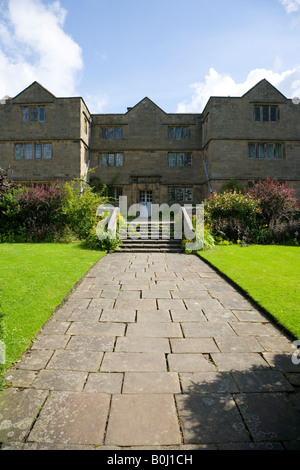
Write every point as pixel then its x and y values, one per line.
pixel 148 155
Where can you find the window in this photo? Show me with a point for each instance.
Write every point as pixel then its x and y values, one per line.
pixel 32 151
pixel 180 194
pixel 110 133
pixel 179 133
pixel 33 114
pixel 111 159
pixel 180 159
pixel 115 192
pixel 265 150
pixel 266 113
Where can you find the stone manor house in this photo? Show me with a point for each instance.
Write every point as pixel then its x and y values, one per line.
pixel 148 155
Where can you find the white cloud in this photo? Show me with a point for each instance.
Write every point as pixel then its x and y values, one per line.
pixel 34 46
pixel 216 84
pixel 96 103
pixel 291 5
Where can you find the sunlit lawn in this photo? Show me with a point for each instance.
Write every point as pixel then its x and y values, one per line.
pixel 269 274
pixel 34 279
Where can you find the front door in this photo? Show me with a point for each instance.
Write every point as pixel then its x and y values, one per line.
pixel 146 203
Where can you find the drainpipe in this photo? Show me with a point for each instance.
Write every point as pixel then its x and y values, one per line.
pixel 204 162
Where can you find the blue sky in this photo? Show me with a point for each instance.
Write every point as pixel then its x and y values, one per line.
pixel 113 53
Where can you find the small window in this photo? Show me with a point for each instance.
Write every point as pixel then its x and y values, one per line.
pixel 47 151
pixel 28 151
pixel 257 113
pixel 119 160
pixel 111 159
pixel 104 133
pixel 171 194
pixel 266 150
pixel 261 151
pixel 103 159
pixel 119 192
pixel 179 159
pixel 25 114
pixel 38 151
pixel 118 133
pixel 252 151
pixel 265 113
pixel 42 114
pixel 19 151
pixel 111 134
pixel 185 133
pixel 188 195
pixel 172 159
pixel 178 133
pixel 179 194
pixel 273 114
pixel 171 133
pixel 33 114
pixel 188 159
pixel 278 154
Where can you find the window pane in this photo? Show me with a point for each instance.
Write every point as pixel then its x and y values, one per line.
pixel 104 133
pixel 265 113
pixel 19 152
pixel 171 133
pixel 188 194
pixel 118 133
pixel 33 114
pixel 103 159
pixel 28 151
pixel 111 133
pixel 178 132
pixel 278 151
pixel 270 151
pixel 179 194
pixel 257 113
pixel 42 114
pixel 47 151
pixel 261 151
pixel 179 159
pixel 171 194
pixel 25 114
pixel 111 159
pixel 38 151
pixel 188 159
pixel 185 133
pixel 252 153
pixel 119 159
pixel 273 114
pixel 171 159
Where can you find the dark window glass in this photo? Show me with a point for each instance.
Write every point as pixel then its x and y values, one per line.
pixel 257 113
pixel 273 114
pixel 265 113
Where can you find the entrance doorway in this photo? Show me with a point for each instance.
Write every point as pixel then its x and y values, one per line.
pixel 145 203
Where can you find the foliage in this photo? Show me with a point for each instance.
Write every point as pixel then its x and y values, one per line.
pixel 208 241
pixel 233 185
pixel 80 207
pixel 6 184
pixel 279 210
pixel 231 214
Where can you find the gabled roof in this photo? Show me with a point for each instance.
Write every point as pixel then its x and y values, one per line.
pixel 145 102
pixel 35 93
pixel 265 92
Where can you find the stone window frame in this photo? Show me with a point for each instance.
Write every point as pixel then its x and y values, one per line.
pixel 30 151
pixel 111 133
pixel 179 132
pixel 33 114
pixel 111 159
pixel 266 151
pixel 266 113
pixel 185 191
pixel 180 159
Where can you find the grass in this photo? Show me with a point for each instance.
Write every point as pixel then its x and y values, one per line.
pixel 269 274
pixel 34 279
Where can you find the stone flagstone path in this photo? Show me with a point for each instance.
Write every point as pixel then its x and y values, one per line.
pixel 154 351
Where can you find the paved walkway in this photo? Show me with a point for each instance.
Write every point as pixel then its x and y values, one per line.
pixel 154 351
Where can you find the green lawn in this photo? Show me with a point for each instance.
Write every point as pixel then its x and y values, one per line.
pixel 34 279
pixel 269 274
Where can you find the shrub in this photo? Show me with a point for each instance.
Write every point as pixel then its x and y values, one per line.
pixel 279 209
pixel 40 216
pixel 6 184
pixel 232 214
